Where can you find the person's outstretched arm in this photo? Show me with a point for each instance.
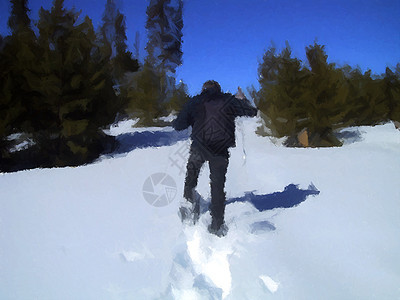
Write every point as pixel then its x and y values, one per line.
pixel 184 118
pixel 242 105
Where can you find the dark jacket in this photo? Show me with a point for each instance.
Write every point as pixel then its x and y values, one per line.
pixel 212 117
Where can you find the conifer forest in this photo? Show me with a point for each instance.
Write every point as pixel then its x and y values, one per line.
pixel 62 82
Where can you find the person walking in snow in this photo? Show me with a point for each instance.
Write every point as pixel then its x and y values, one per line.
pixel 211 114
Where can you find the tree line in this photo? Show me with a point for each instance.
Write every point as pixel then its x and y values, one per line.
pixel 320 97
pixel 62 81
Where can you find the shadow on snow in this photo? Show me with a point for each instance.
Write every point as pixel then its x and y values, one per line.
pixel 131 141
pixel 291 196
pixel 136 140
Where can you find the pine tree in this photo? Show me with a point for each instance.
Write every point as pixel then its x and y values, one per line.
pixel 366 101
pixel 113 48
pixel 326 106
pixel 282 96
pixel 107 30
pixel 19 20
pixel 395 113
pixel 18 61
pixel 391 92
pixel 123 62
pixel 8 113
pixel 113 38
pixel 151 91
pixel 145 94
pixel 164 25
pixel 293 98
pixel 77 91
pixel 179 97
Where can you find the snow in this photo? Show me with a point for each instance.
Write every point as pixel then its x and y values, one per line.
pixel 121 127
pixel 269 283
pixel 127 126
pixel 89 233
pixel 21 141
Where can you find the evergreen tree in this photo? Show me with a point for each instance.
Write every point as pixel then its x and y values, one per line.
pixel 19 20
pixel 107 30
pixel 77 91
pixel 293 98
pixel 18 61
pixel 179 97
pixel 151 91
pixel 286 93
pixel 326 105
pixel 123 62
pixel 113 48
pixel 8 113
pixel 323 98
pixel 145 93
pixel 147 97
pixel 113 39
pixel 391 92
pixel 164 25
pixel 282 97
pixel 366 101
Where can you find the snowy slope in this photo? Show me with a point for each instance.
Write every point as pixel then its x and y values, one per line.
pixel 89 233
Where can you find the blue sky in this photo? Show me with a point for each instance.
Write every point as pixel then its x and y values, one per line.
pixel 225 40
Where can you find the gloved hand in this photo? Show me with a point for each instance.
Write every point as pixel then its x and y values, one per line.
pixel 239 94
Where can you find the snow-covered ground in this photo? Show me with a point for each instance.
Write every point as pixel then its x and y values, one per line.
pixel 91 233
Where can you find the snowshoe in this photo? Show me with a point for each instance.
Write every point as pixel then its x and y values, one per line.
pixel 219 231
pixel 189 212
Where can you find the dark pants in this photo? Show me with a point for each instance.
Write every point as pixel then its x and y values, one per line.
pixel 218 166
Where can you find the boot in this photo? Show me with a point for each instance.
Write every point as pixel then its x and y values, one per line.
pixel 189 210
pixel 217 228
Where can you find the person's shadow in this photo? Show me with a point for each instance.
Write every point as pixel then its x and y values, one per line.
pixel 291 196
